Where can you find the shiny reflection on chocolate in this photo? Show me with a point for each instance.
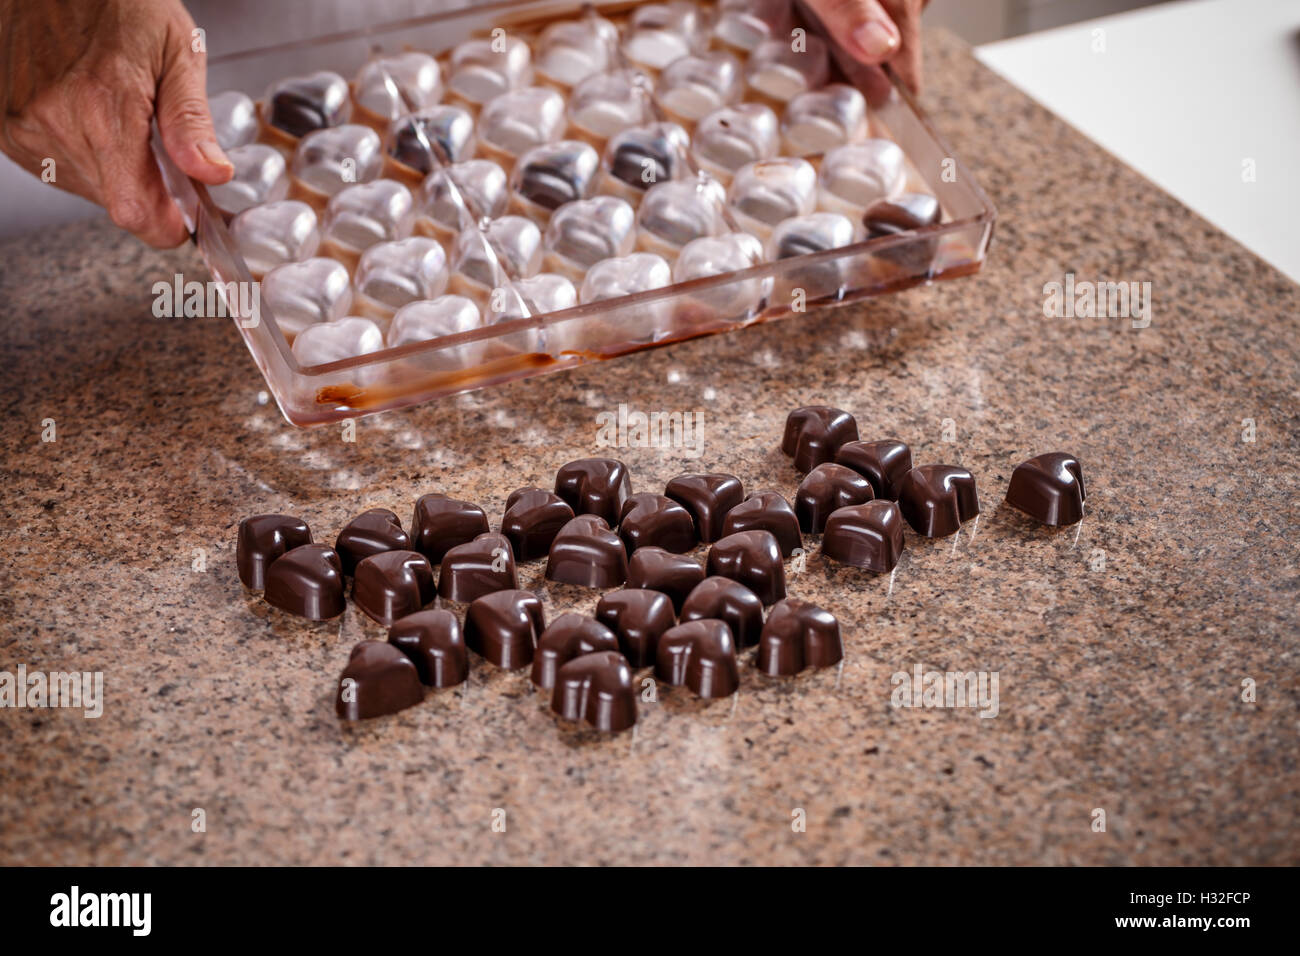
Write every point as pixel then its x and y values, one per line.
pixel 570 635
pixel 304 103
pixel 504 627
pixel 732 603
pixel 378 679
pixel 442 523
pixel 867 536
pixel 936 499
pixel 555 173
pixel 587 553
pixel 814 433
pixel 262 539
pixel 479 567
pixel 826 489
pixel 434 643
pixel 650 520
pixel 708 498
pixel 307 581
pixel 532 520
pixel 798 635
pixel 889 217
pixel 393 584
pixel 434 135
pixel 596 688
pixel 371 532
pixel 766 511
pixel 1048 488
pixel 753 558
pixel 646 155
pixel 701 655
pixel 594 486
pixel 883 463
pixel 637 617
pixel 658 570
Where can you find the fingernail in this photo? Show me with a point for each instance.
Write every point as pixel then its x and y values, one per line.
pixel 213 154
pixel 875 39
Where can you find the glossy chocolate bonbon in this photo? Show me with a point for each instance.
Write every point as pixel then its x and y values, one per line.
pixel 826 489
pixel 587 553
pixel 814 433
pixel 307 581
pixel 594 486
pixel 728 601
pixel 379 679
pixel 700 655
pixel 867 536
pixel 369 533
pixel 1048 488
pixel 596 688
pixel 766 511
pixel 650 520
pixel 532 519
pixel 435 644
pixel 937 499
pixel 441 523
pixel 638 617
pixel 393 584
pixel 568 636
pixel 708 497
pixel 262 539
pixel 504 626
pixel 673 574
pixel 883 463
pixel 476 568
pixel 798 635
pixel 753 558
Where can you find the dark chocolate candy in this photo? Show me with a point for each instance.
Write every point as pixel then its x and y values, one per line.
pixel 379 679
pixel 533 518
pixel 596 688
pixel 504 627
pixel 262 539
pixel 431 137
pixel 936 499
pixel 307 103
pixel 883 463
pixel 798 634
pixel 814 433
pixel 556 173
pixel 594 486
pixel 371 532
pixel 570 635
pixel 866 536
pixel 307 581
pixel 442 523
pixel 825 489
pixel 701 655
pixel 708 498
pixel 766 511
pixel 637 617
pixel 433 641
pixel 890 217
pixel 656 521
pixel 644 156
pixel 728 601
pixel 476 568
pixel 660 570
pixel 587 553
pixel 393 584
pixel 1048 488
pixel 754 559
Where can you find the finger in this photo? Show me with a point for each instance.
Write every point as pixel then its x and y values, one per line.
pixel 184 121
pixel 907 61
pixel 130 185
pixel 862 26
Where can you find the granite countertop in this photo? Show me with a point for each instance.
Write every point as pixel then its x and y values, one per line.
pixel 1121 644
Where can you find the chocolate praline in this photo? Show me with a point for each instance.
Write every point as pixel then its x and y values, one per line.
pixel 597 688
pixel 797 635
pixel 728 601
pixel 568 636
pixel 369 533
pixel 504 627
pixel 307 581
pixel 867 536
pixel 532 519
pixel 766 511
pixel 660 570
pixel 587 553
pixel 650 520
pixel 752 558
pixel 262 539
pixel 594 486
pixel 883 463
pixel 825 489
pixel 1048 488
pixel 637 617
pixel 476 568
pixel 393 584
pixel 701 655
pixel 378 679
pixel 814 433
pixel 435 644
pixel 708 497
pixel 937 499
pixel 441 523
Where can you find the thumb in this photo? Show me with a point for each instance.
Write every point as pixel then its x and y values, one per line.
pixel 862 26
pixel 184 121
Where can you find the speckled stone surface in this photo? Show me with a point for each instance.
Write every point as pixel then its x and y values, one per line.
pixel 1120 674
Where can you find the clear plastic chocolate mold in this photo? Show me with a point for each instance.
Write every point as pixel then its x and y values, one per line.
pixel 330 159
pixel 394 274
pixel 359 216
pixel 389 87
pixel 234 118
pixel 261 176
pixel 273 234
pixel 307 292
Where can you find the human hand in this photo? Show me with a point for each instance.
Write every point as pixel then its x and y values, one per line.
pixel 80 81
pixel 878 31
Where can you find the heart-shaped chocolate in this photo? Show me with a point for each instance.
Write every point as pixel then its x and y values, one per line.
pixel 798 634
pixel 307 581
pixel 442 523
pixel 379 679
pixel 476 568
pixel 596 688
pixel 723 599
pixel 650 520
pixel 766 511
pixel 371 532
pixel 434 643
pixel 637 617
pixel 570 635
pixel 660 570
pixel 883 463
pixel 587 553
pixel 814 433
pixel 393 584
pixel 262 539
pixel 868 535
pixel 701 655
pixel 594 486
pixel 1048 488
pixel 826 489
pixel 555 173
pixel 504 627
pixel 532 520
pixel 708 498
pixel 303 103
pixel 752 558
pixel 937 499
